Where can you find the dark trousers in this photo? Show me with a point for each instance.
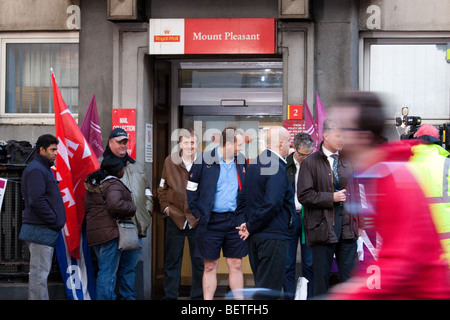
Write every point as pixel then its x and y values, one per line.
pixel 322 256
pixel 174 245
pixel 290 278
pixel 268 261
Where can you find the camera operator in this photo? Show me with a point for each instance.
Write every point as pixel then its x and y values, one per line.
pixel 433 173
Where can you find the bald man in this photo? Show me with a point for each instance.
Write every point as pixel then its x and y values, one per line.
pixel 267 201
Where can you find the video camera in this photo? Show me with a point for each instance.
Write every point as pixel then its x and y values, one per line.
pixel 412 124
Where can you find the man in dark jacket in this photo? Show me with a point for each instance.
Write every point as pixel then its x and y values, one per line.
pixel 267 199
pixel 303 147
pixel 330 229
pixel 212 189
pixel 44 214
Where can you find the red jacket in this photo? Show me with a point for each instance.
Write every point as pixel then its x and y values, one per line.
pixel 409 264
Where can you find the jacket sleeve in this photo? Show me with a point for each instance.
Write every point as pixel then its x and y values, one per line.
pixel 192 189
pixel 306 193
pixel 36 188
pixel 163 188
pixel 118 207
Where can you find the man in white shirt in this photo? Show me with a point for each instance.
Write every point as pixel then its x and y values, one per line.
pixel 330 228
pixel 303 147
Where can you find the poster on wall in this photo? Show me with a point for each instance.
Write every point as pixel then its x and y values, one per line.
pixel 148 142
pixel 294 127
pixel 126 119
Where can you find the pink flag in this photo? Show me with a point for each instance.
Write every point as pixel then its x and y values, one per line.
pixel 311 127
pixel 91 128
pixel 321 115
pixel 75 160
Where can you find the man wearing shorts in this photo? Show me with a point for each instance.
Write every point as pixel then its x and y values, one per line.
pixel 212 190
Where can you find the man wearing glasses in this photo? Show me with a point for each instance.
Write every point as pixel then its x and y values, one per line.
pixel 303 145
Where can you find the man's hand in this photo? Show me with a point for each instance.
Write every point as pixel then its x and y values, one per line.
pixel 339 196
pixel 243 232
pixel 166 211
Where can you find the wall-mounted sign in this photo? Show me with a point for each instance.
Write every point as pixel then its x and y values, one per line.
pixel 295 111
pixel 212 36
pixel 294 127
pixel 126 119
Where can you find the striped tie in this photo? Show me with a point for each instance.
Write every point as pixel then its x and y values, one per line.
pixel 335 171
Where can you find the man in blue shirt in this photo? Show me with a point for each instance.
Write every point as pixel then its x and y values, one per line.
pixel 212 189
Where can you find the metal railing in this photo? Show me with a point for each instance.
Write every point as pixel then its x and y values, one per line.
pixel 14 255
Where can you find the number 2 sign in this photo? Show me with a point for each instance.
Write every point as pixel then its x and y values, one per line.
pixel 295 111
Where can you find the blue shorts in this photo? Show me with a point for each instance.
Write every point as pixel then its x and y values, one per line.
pixel 220 233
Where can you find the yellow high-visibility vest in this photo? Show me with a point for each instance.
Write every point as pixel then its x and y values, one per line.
pixel 433 174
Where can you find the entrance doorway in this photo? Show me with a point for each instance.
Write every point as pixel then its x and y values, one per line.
pixel 209 96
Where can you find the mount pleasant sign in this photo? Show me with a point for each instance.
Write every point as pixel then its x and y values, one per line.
pixel 212 36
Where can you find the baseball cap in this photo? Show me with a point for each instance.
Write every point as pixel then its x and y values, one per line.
pixel 119 134
pixel 427 129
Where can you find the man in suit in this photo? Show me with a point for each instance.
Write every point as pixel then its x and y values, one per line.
pixel 212 189
pixel 330 229
pixel 267 199
pixel 303 147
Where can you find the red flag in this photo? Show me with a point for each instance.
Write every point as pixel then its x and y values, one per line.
pixel 75 160
pixel 90 127
pixel 311 127
pixel 321 115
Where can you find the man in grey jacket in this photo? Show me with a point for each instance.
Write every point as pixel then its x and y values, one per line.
pixel 135 178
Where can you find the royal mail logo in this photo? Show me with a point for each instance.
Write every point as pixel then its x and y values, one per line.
pixel 165 38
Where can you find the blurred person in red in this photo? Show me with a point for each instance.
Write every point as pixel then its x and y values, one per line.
pixel 409 264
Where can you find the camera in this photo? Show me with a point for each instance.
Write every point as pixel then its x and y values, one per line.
pixel 412 124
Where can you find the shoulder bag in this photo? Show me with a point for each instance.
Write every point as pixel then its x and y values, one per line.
pixel 128 235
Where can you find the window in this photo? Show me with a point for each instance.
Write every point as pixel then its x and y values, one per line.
pixel 409 72
pixel 230 78
pixel 26 86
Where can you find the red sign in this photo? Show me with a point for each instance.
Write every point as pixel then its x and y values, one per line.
pixel 225 36
pixel 126 119
pixel 295 111
pixel 294 127
pixel 212 36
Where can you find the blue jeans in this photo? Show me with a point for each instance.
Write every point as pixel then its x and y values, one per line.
pixel 112 263
pixel 127 273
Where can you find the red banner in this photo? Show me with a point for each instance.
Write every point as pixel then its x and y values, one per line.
pixel 75 160
pixel 126 119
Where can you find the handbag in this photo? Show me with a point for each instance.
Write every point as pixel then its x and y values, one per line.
pixel 128 235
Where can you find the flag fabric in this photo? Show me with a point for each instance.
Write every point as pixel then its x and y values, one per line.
pixel 321 115
pixel 90 127
pixel 74 161
pixel 311 127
